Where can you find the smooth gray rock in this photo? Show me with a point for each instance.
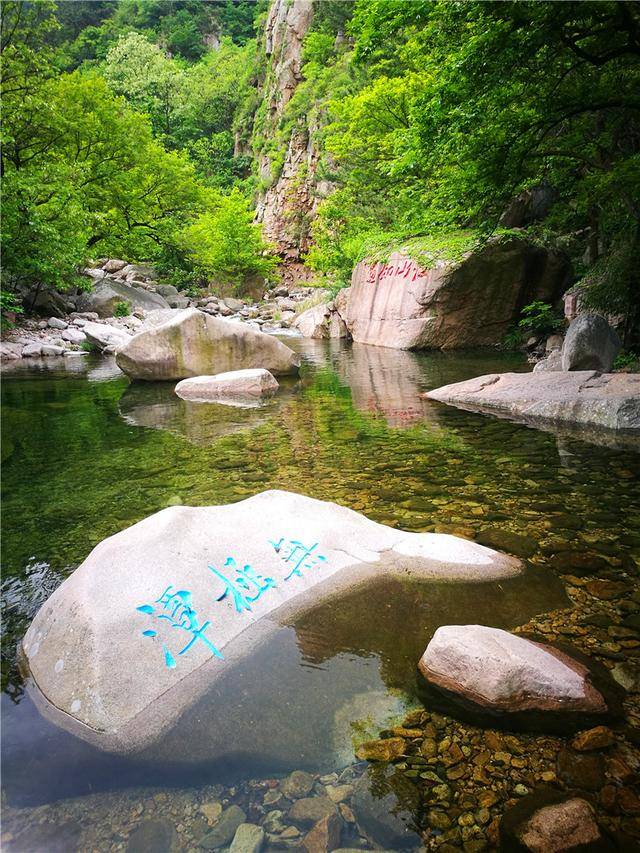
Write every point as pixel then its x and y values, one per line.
pixel 233 304
pixel 253 384
pixel 114 265
pixel 193 343
pixel 297 784
pixel 590 344
pixel 152 836
pixel 104 336
pixel 33 350
pixel 92 622
pixel 75 336
pixel 108 292
pixel 248 839
pixel 553 362
pixel 52 350
pixel 225 829
pixel 309 810
pixel 56 323
pixel 583 397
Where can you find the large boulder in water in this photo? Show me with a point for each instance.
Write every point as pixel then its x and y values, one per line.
pixel 411 304
pixel 193 343
pixel 505 674
pixel 590 344
pixel 237 384
pixel 108 292
pixel 144 625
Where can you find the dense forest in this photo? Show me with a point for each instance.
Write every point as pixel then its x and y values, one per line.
pixel 155 129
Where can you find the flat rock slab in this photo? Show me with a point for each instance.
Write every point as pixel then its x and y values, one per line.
pixel 193 343
pixel 115 643
pixel 252 383
pixel 507 674
pixel 583 397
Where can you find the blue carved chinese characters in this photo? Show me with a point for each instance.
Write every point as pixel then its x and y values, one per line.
pixel 175 607
pixel 246 581
pixel 299 556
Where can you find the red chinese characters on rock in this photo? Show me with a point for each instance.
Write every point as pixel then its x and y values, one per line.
pixel 405 268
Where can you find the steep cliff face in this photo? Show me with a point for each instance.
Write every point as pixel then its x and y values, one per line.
pixel 286 206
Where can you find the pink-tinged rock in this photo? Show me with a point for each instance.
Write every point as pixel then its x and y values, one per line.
pixel 325 835
pixel 426 303
pixel 256 382
pixel 503 672
pixel 321 321
pixel 568 824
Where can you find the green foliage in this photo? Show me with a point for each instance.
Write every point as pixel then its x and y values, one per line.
pixel 513 340
pixel 122 309
pixel 8 305
pixel 627 361
pixel 540 318
pixel 224 246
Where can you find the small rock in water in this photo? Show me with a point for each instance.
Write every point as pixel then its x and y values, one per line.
pixel 211 811
pixel 581 771
pixel 384 805
pixel 225 829
pixel 297 785
pixel 506 540
pixel 596 738
pixel 325 835
pixel 151 836
pixel 248 839
pixel 310 810
pixel 381 750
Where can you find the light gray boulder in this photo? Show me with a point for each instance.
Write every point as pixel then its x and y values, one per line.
pixel 174 590
pixel 321 321
pixel 256 382
pixel 32 350
pixel 503 672
pixel 108 292
pixel 74 336
pixel 10 351
pixel 248 839
pixel 56 323
pixel 193 343
pixel 104 336
pixel 138 271
pixel 590 344
pixel 114 265
pixel 52 349
pixel 233 304
pixel 552 362
pixel 581 397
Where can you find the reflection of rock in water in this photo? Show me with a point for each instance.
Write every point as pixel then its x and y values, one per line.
pixel 387 382
pixel 156 406
pixel 362 717
pixel 94 368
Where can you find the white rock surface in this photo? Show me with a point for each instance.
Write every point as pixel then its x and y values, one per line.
pixel 504 672
pixel 104 336
pixel 253 382
pixel 86 647
pixel 74 336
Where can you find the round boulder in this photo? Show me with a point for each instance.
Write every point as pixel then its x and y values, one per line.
pixel 502 674
pixel 590 344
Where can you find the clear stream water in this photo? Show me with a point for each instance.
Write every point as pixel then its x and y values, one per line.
pixel 86 453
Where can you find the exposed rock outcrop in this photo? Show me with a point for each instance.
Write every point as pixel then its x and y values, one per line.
pixel 290 200
pixel 583 397
pixel 195 344
pixel 210 573
pixel 237 384
pixel 470 303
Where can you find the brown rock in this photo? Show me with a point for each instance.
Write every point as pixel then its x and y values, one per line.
pixel 381 750
pixel 309 810
pixel 556 828
pixel 581 770
pixel 325 835
pixel 628 801
pixel 596 738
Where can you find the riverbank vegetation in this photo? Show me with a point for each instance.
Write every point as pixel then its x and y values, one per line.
pixel 129 124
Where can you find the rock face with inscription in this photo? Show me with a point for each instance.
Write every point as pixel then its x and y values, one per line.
pixel 193 343
pixel 126 643
pixel 471 303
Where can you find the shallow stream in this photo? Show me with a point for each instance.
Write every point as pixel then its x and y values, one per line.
pixel 86 453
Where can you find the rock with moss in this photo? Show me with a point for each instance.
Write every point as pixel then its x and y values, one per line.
pixel 193 343
pixel 108 294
